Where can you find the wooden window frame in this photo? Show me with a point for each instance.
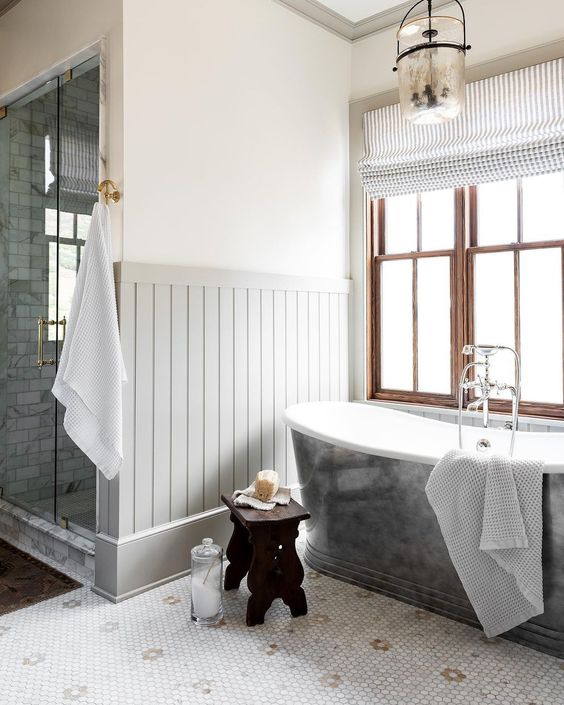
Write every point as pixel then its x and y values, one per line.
pixel 462 299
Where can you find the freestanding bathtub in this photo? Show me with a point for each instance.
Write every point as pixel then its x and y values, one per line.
pixel 363 469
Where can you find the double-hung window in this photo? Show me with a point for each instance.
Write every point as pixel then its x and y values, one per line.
pixel 484 265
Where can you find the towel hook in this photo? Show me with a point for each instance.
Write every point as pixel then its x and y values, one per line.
pixel 113 195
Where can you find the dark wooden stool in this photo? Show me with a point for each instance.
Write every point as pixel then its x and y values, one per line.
pixel 263 545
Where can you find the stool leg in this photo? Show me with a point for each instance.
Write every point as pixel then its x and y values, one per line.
pixel 293 594
pixel 263 580
pixel 296 601
pixel 257 606
pixel 239 553
pixel 276 571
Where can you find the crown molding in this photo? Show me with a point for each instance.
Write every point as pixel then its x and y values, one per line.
pixel 343 27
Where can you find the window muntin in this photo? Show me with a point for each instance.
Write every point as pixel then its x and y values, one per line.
pixel 506 287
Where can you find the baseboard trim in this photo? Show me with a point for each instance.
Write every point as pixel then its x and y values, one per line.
pixel 134 564
pixel 138 591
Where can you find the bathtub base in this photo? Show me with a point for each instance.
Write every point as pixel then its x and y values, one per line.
pixel 372 526
pixel 528 634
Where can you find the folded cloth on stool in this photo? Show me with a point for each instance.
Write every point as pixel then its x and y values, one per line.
pixel 246 498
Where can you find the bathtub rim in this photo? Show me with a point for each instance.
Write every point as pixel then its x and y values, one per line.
pixel 291 422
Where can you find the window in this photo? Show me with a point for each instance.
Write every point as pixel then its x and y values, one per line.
pixel 73 229
pixel 482 264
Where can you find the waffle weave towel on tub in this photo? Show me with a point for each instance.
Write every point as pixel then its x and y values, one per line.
pixel 489 509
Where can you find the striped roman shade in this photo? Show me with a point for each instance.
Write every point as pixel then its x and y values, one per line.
pixel 512 125
pixel 77 168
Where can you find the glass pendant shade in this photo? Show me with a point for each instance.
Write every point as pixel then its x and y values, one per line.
pixel 431 66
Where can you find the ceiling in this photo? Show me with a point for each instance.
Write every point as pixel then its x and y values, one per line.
pixel 357 10
pixel 354 19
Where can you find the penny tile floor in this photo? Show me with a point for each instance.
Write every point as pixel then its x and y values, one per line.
pixel 354 647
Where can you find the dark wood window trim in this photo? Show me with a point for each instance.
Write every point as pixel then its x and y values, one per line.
pixel 462 297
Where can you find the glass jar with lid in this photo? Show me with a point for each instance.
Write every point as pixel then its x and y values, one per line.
pixel 207 583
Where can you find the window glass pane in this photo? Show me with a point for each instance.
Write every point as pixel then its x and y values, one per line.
pixel 51 222
pixel 52 288
pixel 541 325
pixel 494 310
pixel 433 325
pixel 82 225
pixel 67 279
pixel 437 220
pixel 397 325
pixel 497 213
pixel 66 225
pixel 401 224
pixel 542 207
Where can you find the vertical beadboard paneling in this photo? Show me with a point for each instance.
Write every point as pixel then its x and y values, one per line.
pixel 211 397
pixel 144 406
pixel 195 399
pixel 313 335
pixel 334 347
pixel 162 401
pixel 267 379
pixel 241 387
pixel 279 383
pixel 303 346
pixel 344 347
pixel 124 515
pixel 254 430
pixel 291 375
pixel 179 404
pixel 324 339
pixel 212 368
pixel 226 391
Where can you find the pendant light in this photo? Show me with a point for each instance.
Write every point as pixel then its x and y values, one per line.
pixel 431 52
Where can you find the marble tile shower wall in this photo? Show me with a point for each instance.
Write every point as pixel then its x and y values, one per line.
pixel 27 427
pixel 30 419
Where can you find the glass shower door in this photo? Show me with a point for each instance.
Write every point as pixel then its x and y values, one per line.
pixel 28 141
pixel 78 181
pixel 48 179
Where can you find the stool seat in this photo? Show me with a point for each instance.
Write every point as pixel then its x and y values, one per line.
pixel 263 545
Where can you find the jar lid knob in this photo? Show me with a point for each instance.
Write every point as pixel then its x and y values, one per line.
pixel 207 542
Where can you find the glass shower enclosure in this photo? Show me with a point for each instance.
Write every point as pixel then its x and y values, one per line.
pixel 49 163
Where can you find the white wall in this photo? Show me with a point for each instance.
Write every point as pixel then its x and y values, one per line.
pixel 495 29
pixel 41 38
pixel 236 138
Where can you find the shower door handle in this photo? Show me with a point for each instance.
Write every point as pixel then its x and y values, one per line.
pixel 40 323
pixel 63 322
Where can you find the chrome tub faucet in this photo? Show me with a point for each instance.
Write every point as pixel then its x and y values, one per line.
pixel 486 385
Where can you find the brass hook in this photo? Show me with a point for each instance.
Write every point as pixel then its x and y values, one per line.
pixel 114 195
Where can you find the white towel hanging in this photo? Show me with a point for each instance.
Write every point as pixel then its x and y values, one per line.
pixel 91 370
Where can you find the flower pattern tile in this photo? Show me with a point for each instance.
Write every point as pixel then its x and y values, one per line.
pixel 349 650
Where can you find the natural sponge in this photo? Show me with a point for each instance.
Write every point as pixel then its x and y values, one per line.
pixel 266 485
